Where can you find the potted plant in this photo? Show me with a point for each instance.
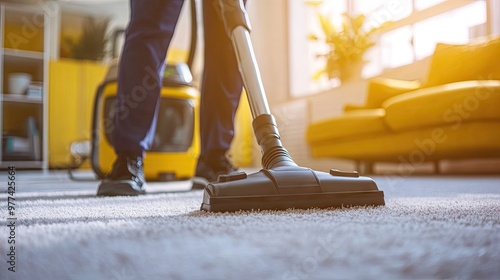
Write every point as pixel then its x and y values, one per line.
pixel 91 45
pixel 346 45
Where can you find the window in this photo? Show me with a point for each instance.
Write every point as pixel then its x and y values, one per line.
pixel 381 11
pixel 417 25
pixel 456 26
pixel 424 4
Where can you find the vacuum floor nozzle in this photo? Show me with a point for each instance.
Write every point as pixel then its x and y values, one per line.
pixel 289 187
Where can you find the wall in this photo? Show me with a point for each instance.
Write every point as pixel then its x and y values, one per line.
pixel 269 22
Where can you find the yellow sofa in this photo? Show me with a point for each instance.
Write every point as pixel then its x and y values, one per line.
pixel 454 114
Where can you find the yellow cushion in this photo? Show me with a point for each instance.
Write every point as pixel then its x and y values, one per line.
pixel 478 60
pixel 450 104
pixel 381 89
pixel 351 124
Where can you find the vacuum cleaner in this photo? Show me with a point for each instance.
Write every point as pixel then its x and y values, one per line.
pixel 281 184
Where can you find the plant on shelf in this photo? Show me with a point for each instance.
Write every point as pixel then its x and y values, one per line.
pixel 91 45
pixel 346 45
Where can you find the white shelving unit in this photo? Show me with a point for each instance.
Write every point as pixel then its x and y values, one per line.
pixel 24 48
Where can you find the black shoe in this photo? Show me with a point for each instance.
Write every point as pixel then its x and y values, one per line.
pixel 210 167
pixel 126 178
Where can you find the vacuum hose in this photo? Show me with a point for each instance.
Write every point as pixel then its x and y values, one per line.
pixel 194 34
pixel 273 152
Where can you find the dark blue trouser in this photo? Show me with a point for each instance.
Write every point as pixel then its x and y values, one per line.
pixel 148 36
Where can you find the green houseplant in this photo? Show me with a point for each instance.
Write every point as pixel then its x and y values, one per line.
pixel 91 45
pixel 346 45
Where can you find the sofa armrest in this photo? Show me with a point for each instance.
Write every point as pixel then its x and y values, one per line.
pixel 353 107
pixel 449 104
pixel 381 89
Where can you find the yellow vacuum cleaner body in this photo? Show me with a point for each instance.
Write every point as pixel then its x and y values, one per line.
pixel 175 148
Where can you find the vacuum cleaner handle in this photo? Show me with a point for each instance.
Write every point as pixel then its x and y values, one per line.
pixel 237 26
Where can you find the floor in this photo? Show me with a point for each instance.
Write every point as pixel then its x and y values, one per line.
pixel 84 183
pixel 432 227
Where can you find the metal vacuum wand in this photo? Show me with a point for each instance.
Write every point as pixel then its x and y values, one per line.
pixel 250 72
pixel 237 24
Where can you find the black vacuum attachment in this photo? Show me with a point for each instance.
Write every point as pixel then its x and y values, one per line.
pixel 280 184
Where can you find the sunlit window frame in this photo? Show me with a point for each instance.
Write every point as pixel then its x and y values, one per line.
pixel 415 17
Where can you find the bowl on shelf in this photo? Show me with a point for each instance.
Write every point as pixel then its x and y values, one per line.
pixel 19 83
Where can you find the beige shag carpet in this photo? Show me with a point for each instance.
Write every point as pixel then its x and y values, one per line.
pixel 431 228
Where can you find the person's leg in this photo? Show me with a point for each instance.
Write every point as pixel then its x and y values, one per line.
pixel 148 36
pixel 220 94
pixel 150 30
